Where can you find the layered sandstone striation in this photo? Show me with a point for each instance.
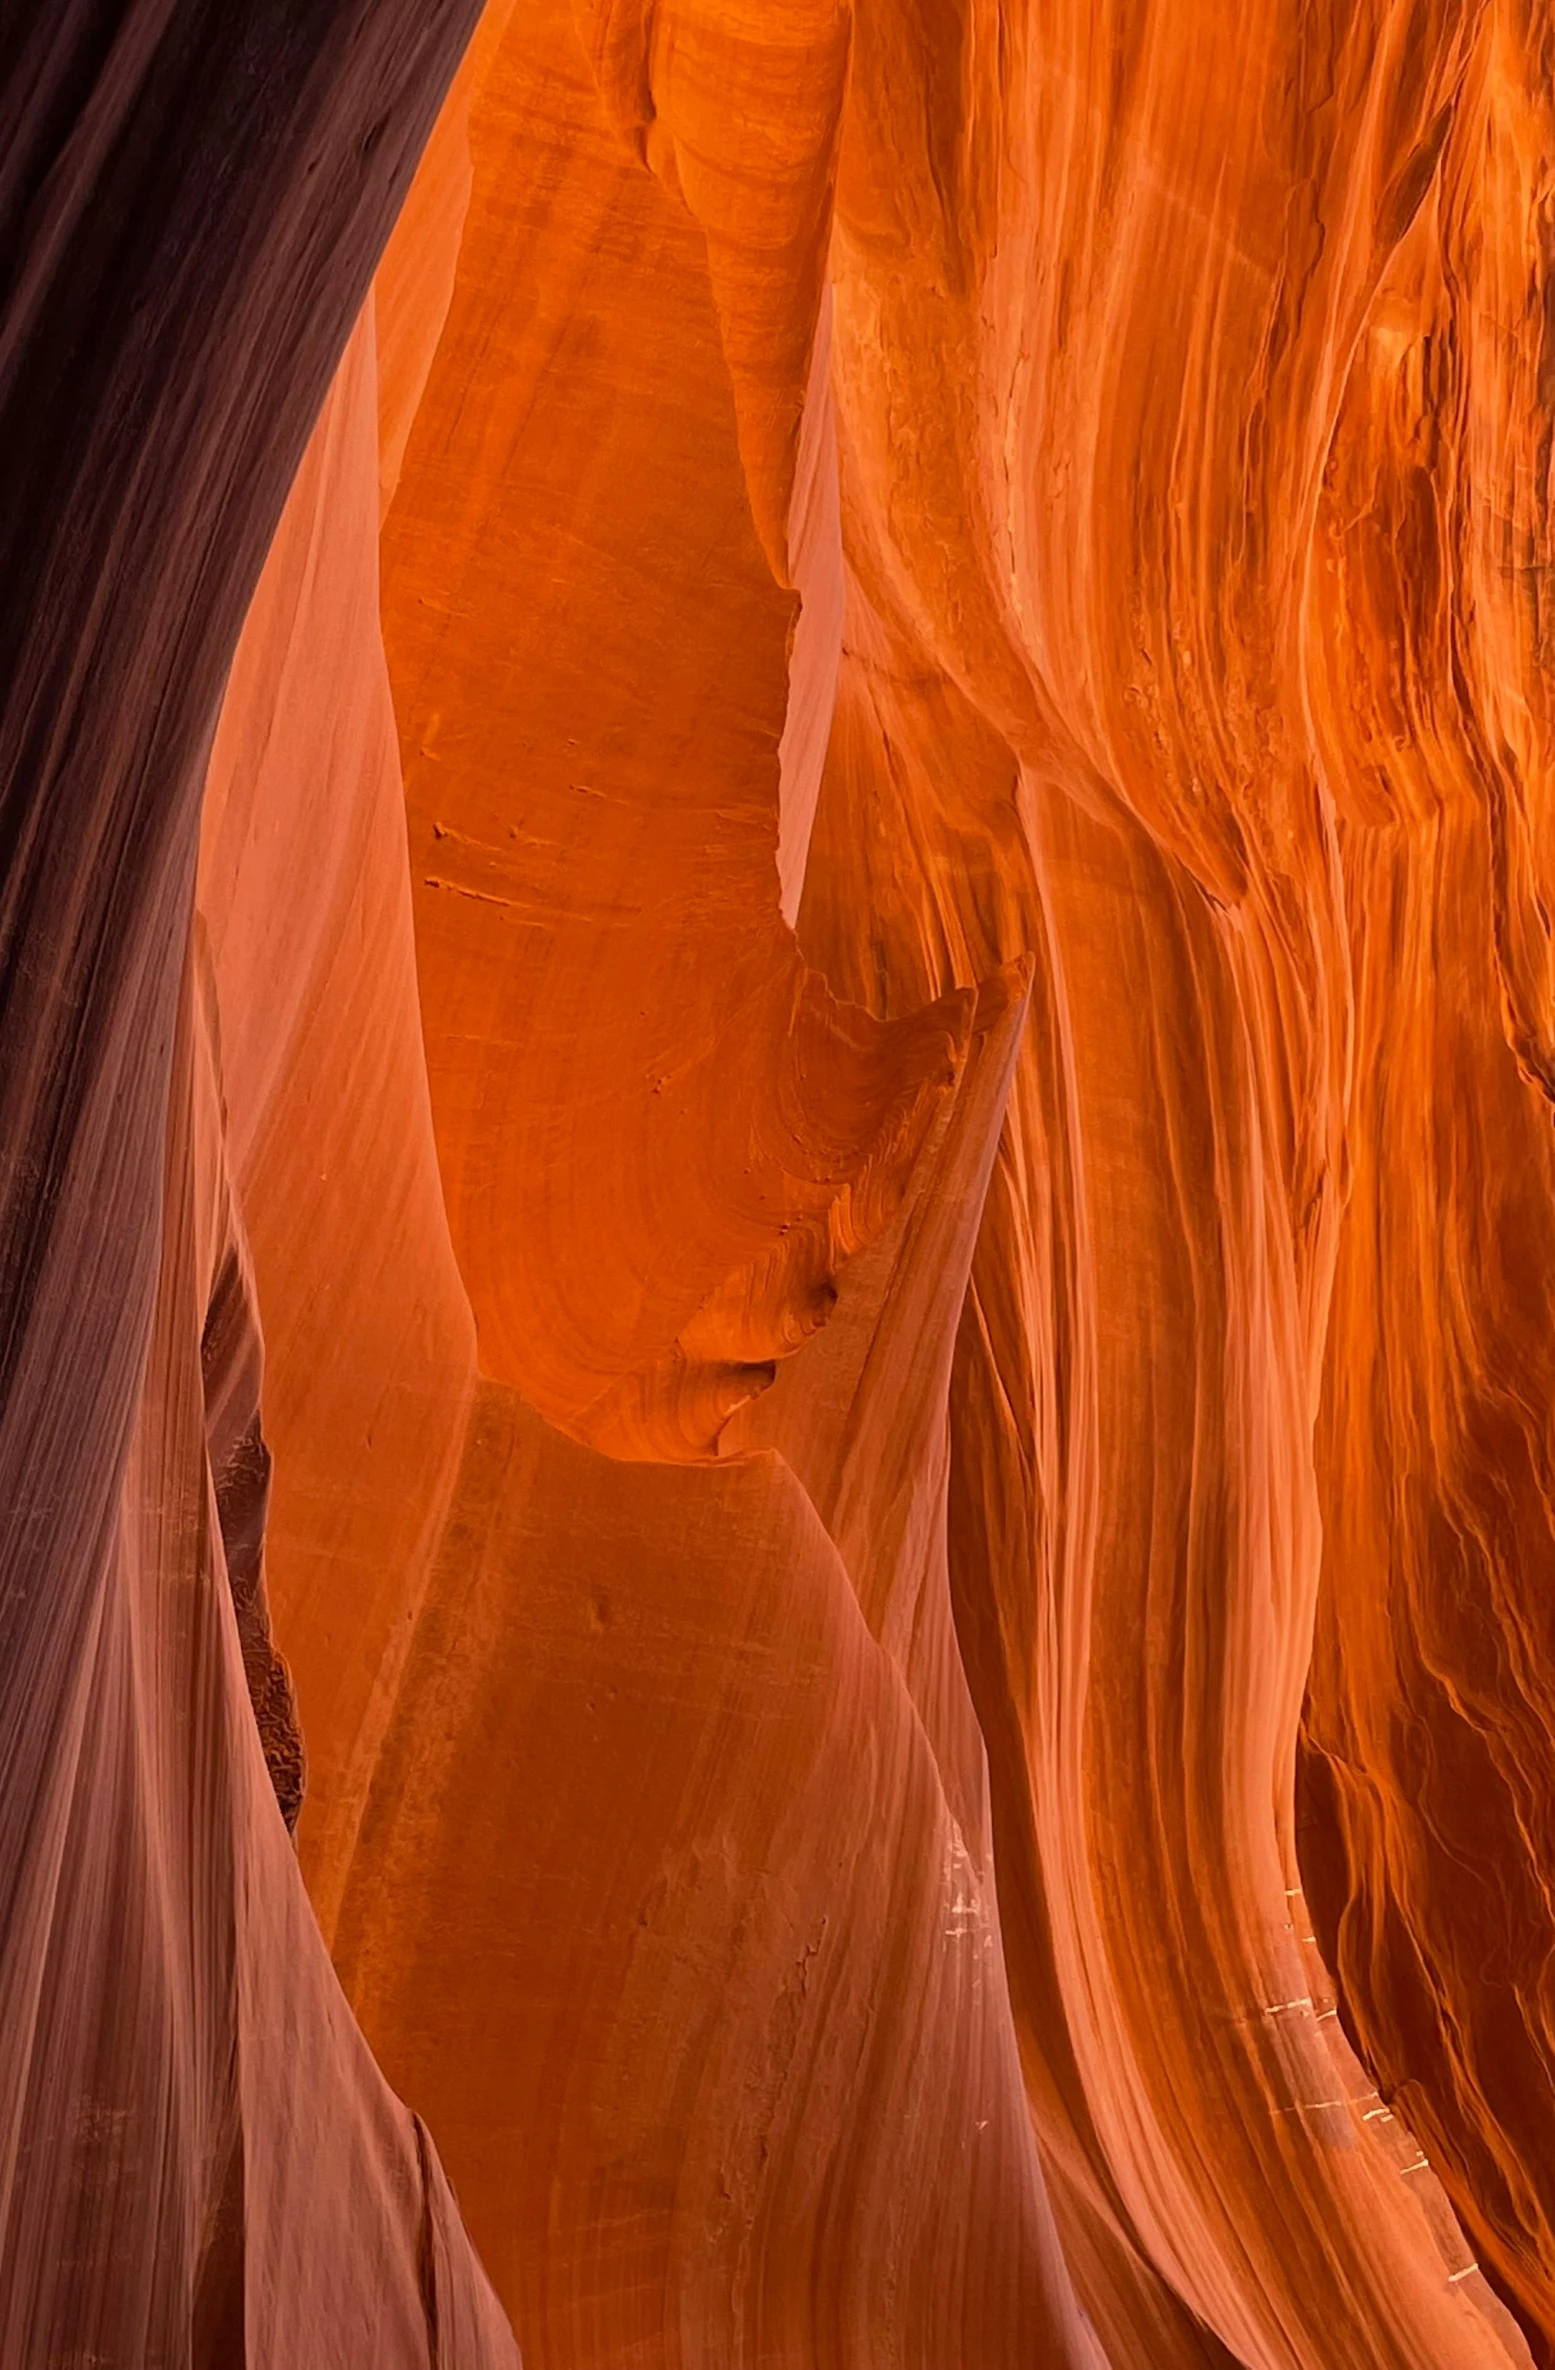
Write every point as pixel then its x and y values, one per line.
pixel 777 1173
pixel 199 2161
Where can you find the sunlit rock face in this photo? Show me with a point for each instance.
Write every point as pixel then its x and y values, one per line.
pixel 775 1375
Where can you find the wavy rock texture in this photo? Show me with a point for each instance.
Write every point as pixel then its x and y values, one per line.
pixel 199 2161
pixel 793 1264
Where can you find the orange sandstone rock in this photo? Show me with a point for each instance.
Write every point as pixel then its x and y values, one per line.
pixel 914 1554
pixel 305 898
pixel 658 1132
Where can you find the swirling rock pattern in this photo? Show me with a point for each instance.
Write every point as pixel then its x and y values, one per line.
pixel 777 1176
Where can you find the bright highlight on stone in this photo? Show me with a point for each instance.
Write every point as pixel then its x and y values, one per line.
pixel 777 1177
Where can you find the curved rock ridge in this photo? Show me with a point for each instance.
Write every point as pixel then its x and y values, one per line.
pixel 199 2161
pixel 1427 1841
pixel 658 1133
pixel 789 1261
pixel 1092 589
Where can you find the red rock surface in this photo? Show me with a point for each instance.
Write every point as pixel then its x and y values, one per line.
pixel 803 1268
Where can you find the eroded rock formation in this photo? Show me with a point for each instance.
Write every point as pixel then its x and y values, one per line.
pixel 777 1174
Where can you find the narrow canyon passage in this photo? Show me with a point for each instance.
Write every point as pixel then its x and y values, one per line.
pixel 777 1032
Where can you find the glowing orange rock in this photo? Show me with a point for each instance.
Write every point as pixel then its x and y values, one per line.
pixel 306 905
pixel 658 1132
pixel 860 1101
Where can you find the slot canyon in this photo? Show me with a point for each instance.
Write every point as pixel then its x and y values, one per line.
pixel 777 1185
